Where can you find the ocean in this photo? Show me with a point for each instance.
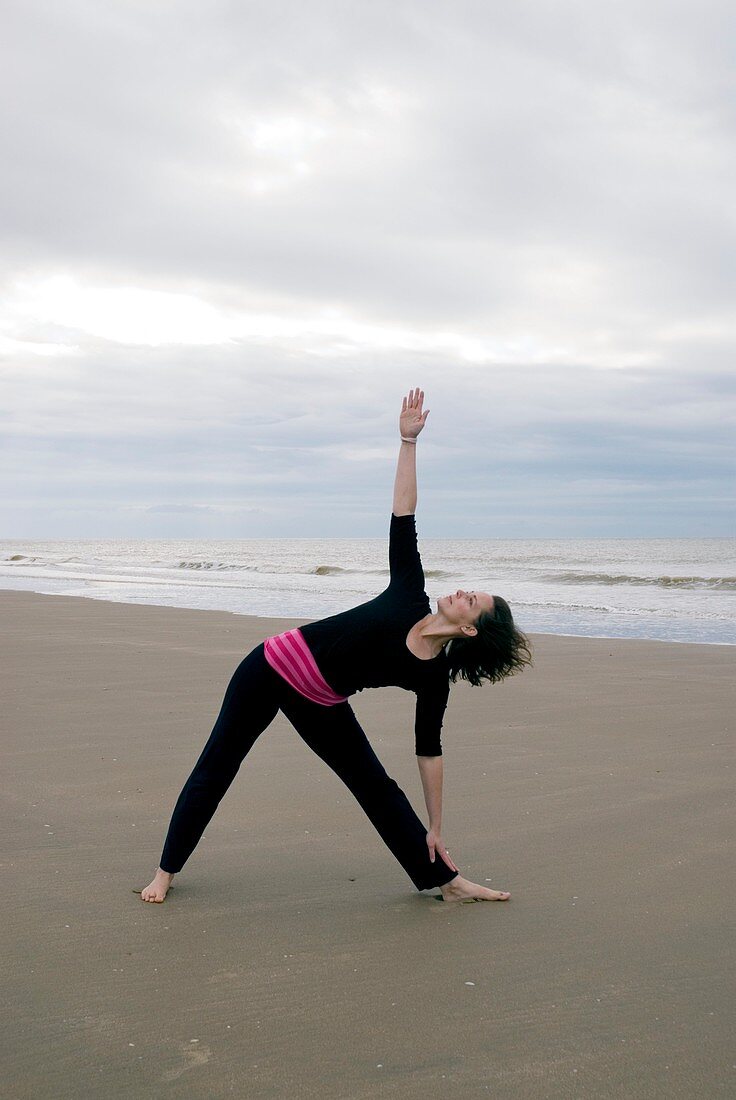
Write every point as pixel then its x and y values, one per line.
pixel 676 590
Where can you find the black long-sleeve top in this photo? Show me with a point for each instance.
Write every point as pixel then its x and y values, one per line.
pixel 366 646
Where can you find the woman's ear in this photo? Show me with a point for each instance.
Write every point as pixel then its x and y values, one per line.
pixel 469 631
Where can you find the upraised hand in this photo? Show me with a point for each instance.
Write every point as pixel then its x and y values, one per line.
pixel 412 419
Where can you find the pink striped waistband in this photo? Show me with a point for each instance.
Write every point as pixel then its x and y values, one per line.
pixel 289 655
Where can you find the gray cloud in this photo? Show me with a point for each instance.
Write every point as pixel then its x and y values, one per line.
pixel 528 210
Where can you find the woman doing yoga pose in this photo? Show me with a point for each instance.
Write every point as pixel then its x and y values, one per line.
pixel 309 673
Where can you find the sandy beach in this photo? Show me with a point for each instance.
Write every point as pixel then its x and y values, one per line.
pixel 293 958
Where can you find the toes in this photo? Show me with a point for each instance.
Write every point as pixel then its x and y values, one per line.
pixel 152 895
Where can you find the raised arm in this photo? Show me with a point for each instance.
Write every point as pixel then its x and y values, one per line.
pixel 411 422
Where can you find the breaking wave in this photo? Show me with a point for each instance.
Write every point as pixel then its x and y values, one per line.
pixel 334 570
pixel 208 565
pixel 314 571
pixel 719 584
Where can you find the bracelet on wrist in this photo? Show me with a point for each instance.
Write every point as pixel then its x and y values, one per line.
pixel 405 440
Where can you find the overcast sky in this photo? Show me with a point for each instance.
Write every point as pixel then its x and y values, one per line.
pixel 234 233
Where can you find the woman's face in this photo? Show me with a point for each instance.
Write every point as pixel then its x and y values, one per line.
pixel 464 608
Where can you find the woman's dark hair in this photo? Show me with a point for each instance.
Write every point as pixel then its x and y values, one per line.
pixel 498 649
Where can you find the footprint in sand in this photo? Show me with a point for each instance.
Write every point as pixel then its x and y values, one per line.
pixel 193 1056
pixel 223 976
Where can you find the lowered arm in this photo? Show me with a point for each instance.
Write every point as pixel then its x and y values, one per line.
pixel 430 770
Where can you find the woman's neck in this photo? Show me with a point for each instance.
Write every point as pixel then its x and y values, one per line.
pixel 433 632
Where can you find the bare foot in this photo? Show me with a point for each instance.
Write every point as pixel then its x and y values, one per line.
pixel 158 889
pixel 461 889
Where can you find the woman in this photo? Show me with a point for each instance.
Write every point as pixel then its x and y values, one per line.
pixel 309 674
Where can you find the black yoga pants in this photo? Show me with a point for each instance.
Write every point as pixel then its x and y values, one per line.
pixel 253 699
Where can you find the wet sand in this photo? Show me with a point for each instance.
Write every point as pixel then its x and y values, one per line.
pixel 293 958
